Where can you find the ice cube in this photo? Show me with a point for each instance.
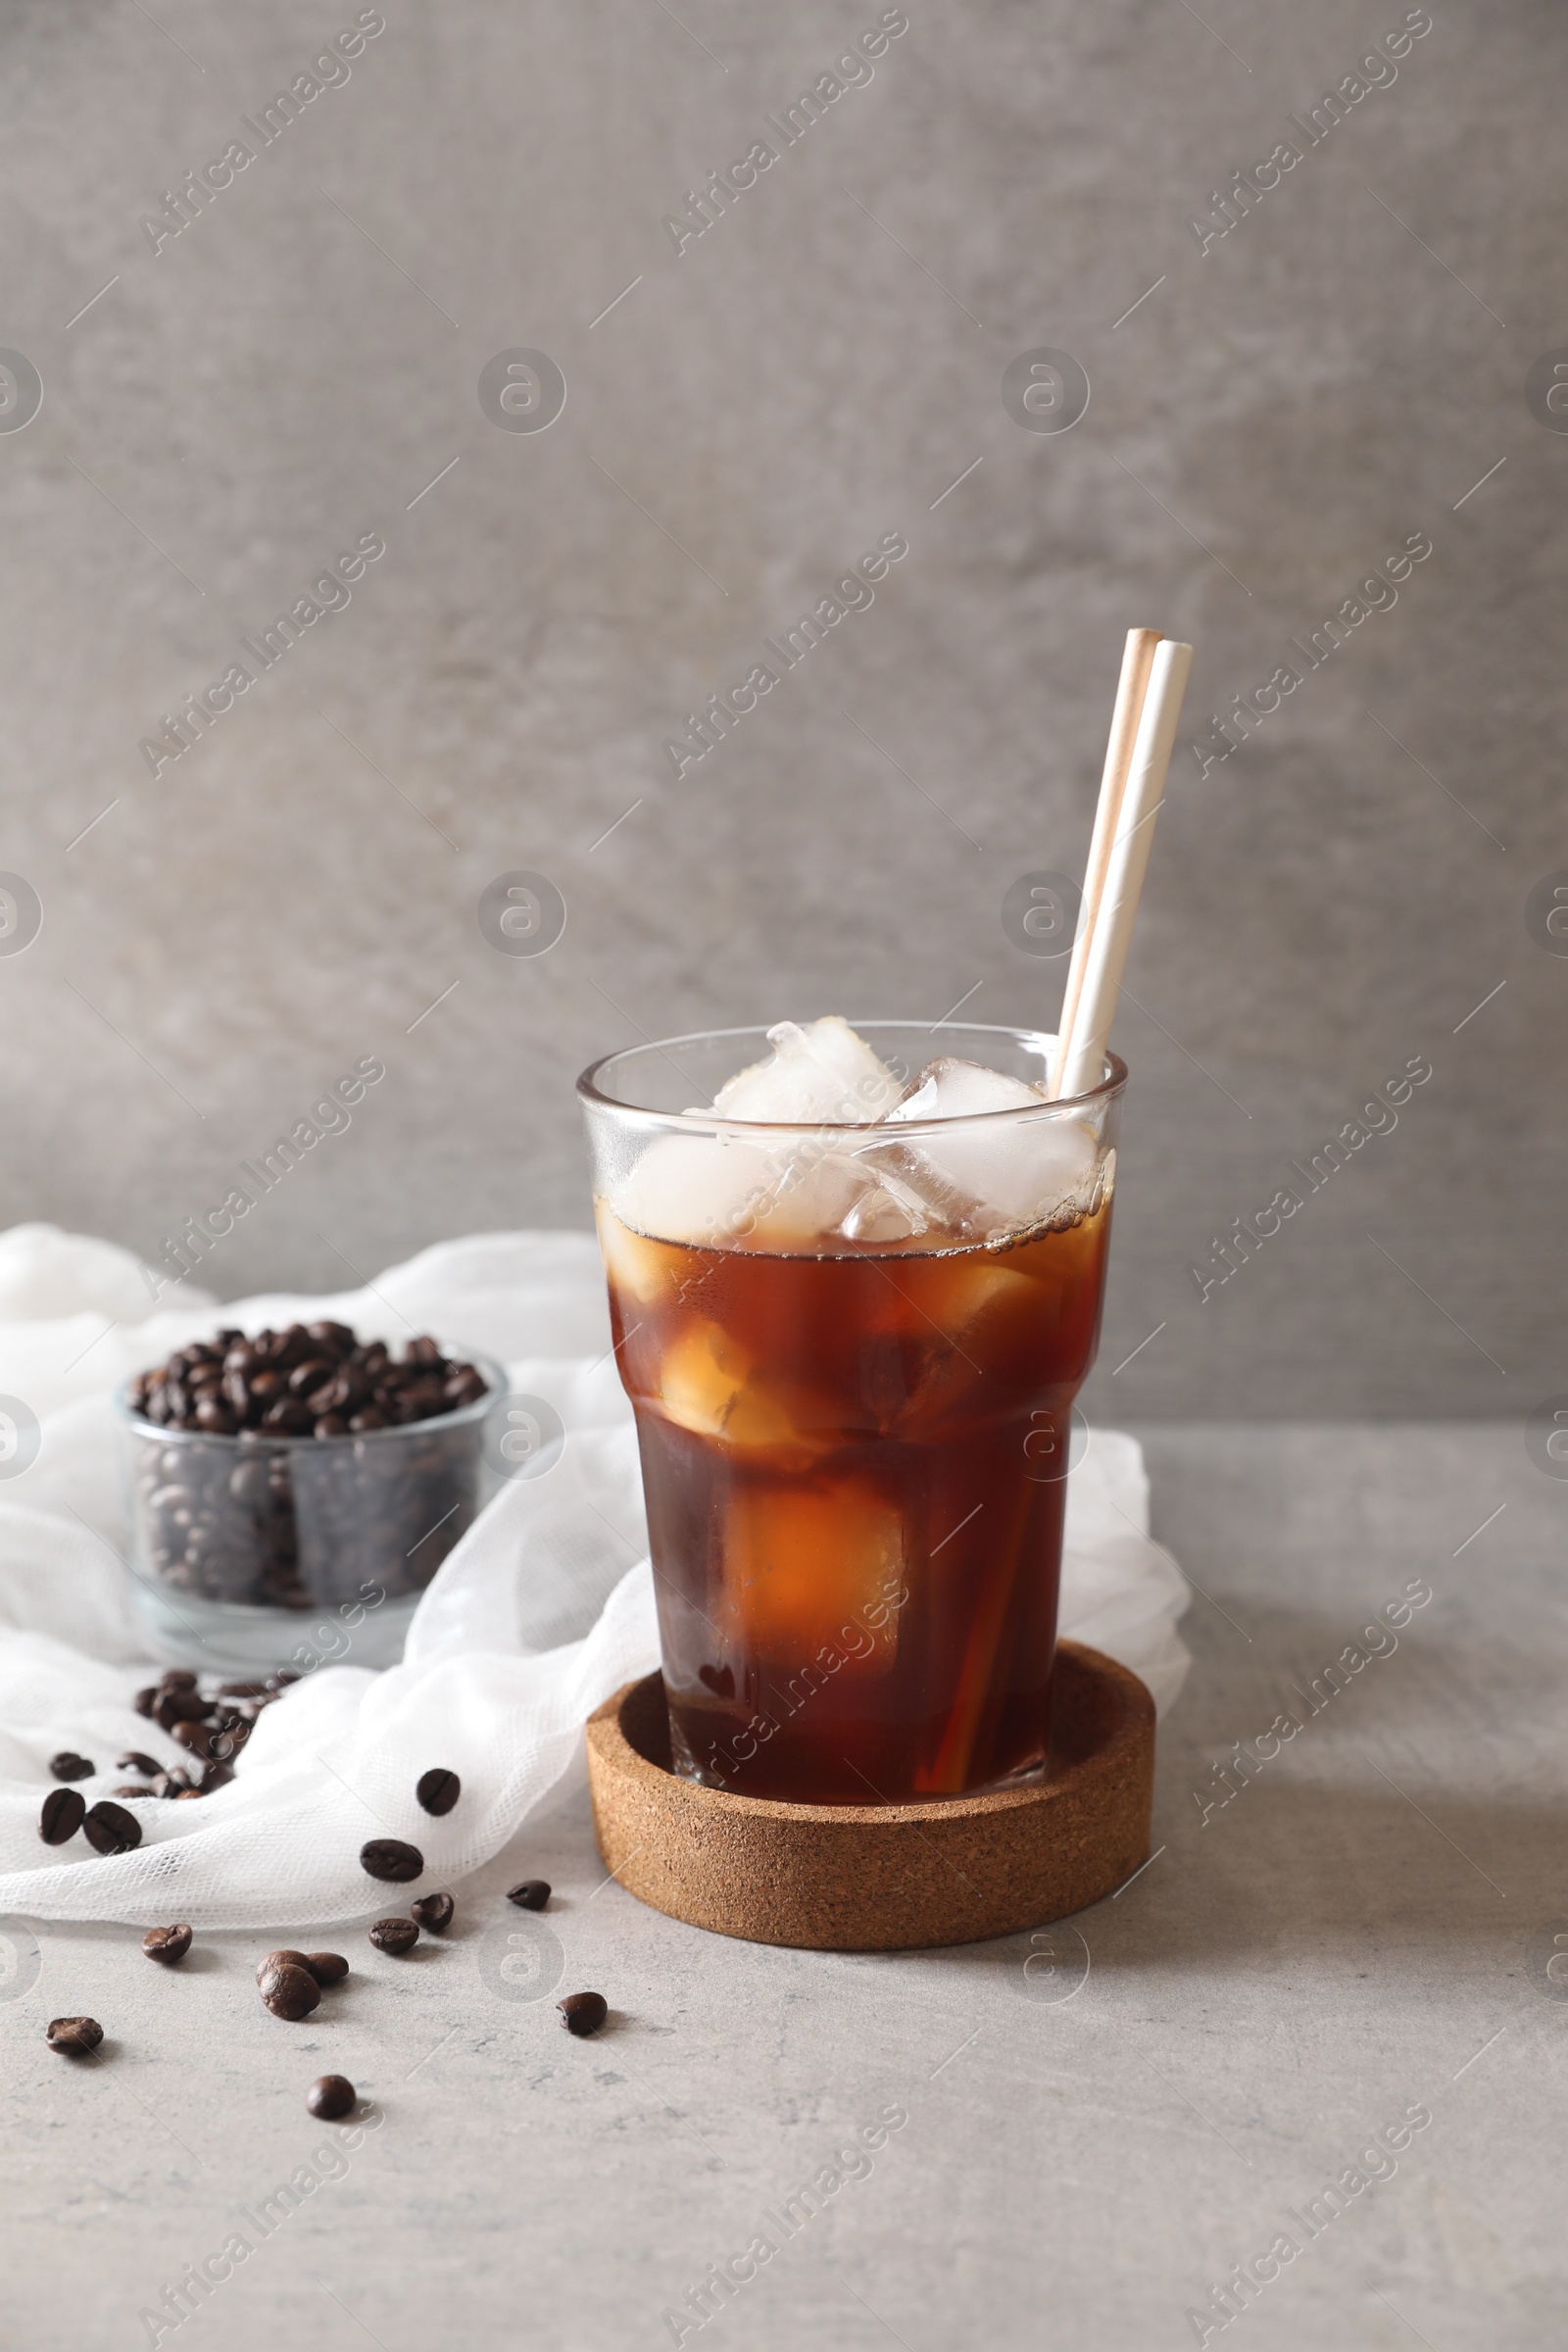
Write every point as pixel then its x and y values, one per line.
pixel 821 1074
pixel 813 1578
pixel 887 1209
pixel 1006 1175
pixel 725 1192
pixel 697 1188
pixel 712 1386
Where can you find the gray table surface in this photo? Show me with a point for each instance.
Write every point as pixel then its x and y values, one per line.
pixel 1099 2123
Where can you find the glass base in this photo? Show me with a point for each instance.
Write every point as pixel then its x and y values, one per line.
pixel 687 1766
pixel 226 1637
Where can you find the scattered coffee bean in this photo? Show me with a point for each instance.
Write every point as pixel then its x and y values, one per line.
pixel 433 1911
pixel 329 2096
pixel 290 1992
pixel 64 1810
pixel 180 1706
pixel 395 1935
pixel 531 1895
pixel 134 1761
pixel 583 2012
pixel 284 1959
pixel 168 1945
pixel 172 1783
pixel 390 1858
pixel 67 1767
pixel 327 1968
pixel 438 1789
pixel 145 1699
pixel 130 1788
pixel 110 1829
pixel 77 2036
pixel 177 1678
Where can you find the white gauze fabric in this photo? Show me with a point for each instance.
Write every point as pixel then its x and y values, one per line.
pixel 543 1610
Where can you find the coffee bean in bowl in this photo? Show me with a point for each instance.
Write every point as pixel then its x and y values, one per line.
pixel 304 1468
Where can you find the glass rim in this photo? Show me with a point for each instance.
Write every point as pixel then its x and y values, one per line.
pixel 592 1091
pixel 252 1441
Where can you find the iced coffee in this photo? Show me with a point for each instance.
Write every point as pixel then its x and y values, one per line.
pixel 855 1281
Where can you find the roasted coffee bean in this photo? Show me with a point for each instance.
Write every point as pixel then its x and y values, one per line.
pixel 337 1337
pixel 168 1945
pixel 180 1706
pixel 63 1811
pixel 290 1416
pixel 281 1959
pixel 134 1761
pixel 438 1789
pixel 67 1767
pixel 217 1512
pixel 216 1775
pixel 146 1698
pixel 177 1678
pixel 531 1895
pixel 77 2036
pixel 290 1992
pixel 194 1736
pixel 395 1935
pixel 327 1968
pixel 583 2012
pixel 390 1858
pixel 130 1788
pixel 433 1911
pixel 329 2096
pixel 173 1783
pixel 109 1829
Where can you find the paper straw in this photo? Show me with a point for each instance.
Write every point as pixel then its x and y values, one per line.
pixel 1082 1055
pixel 1137 656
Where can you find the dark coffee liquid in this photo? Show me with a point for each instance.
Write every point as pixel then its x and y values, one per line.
pixel 855 1471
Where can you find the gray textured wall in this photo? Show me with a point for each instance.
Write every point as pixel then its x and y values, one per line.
pixel 1274 418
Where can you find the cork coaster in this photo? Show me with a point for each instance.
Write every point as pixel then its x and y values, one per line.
pixel 882 1878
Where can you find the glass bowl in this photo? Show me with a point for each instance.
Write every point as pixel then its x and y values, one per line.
pixel 259 1552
